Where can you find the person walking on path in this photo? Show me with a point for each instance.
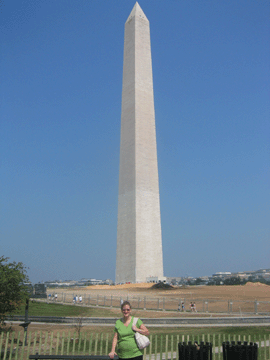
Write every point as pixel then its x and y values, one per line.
pixel 124 336
pixel 183 305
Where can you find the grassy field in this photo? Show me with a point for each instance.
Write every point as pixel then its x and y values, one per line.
pixel 57 309
pixel 52 309
pixel 197 331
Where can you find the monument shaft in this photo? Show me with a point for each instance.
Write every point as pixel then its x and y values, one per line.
pixel 139 244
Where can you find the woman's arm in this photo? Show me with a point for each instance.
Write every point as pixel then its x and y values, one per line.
pixel 142 330
pixel 114 343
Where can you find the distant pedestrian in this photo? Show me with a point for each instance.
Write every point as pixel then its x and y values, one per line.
pixel 194 307
pixel 80 298
pixel 76 298
pixel 50 295
pixel 55 297
pixel 183 305
pixel 179 307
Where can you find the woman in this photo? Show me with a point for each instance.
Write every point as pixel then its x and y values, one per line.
pixel 124 336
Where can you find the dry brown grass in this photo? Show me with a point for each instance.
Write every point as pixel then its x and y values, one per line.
pixel 250 291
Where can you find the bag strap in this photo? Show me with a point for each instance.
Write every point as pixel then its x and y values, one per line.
pixel 135 321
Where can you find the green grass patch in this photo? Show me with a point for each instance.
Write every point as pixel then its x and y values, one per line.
pixel 197 331
pixel 192 331
pixel 53 309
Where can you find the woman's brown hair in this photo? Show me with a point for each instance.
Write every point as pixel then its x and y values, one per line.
pixel 125 303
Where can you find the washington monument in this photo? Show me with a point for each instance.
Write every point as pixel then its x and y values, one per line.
pixel 139 244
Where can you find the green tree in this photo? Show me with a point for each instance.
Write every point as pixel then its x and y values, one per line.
pixel 235 280
pixel 198 281
pixel 13 292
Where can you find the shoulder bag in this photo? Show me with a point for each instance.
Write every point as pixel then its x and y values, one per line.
pixel 141 340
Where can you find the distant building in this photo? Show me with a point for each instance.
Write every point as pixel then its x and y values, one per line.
pixel 222 274
pixel 174 280
pixel 155 279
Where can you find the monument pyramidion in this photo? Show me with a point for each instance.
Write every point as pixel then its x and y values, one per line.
pixel 139 244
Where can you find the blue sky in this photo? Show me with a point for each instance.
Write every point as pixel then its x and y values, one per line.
pixel 61 79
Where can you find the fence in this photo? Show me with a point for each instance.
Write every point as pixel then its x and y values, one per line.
pixel 163 347
pixel 170 304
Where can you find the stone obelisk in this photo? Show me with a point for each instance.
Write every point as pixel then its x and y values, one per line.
pixel 139 245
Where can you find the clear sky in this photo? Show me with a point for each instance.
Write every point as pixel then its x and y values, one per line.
pixel 61 83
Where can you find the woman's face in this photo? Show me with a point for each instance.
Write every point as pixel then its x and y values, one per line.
pixel 126 310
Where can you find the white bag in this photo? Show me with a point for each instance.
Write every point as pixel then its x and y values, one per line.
pixel 141 340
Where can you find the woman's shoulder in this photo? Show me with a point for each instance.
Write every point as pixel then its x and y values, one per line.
pixel 134 317
pixel 138 321
pixel 118 322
